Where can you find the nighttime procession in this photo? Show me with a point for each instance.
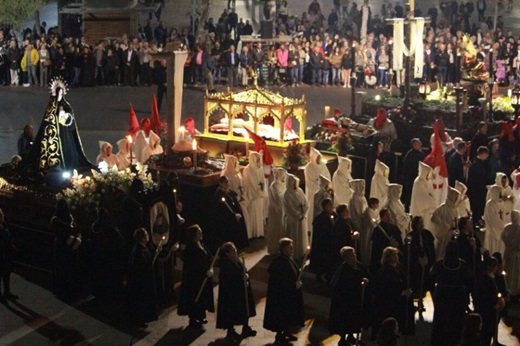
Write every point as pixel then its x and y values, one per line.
pixel 260 172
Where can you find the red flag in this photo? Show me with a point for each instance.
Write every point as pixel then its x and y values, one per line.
pixel 133 122
pixel 155 117
pixel 260 145
pixel 436 157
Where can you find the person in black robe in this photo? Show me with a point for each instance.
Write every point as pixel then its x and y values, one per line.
pixel 411 169
pixel 228 218
pixel 284 308
pixel 385 234
pixel 107 261
pixel 7 252
pixel 500 280
pixel 480 139
pixel 196 273
pixel 488 301
pixel 470 248
pixel 422 258
pixel 393 297
pixel 478 179
pixel 57 144
pixel 66 258
pixel 457 164
pixel 141 299
pixel 343 234
pixel 322 226
pixel 349 300
pixel 233 293
pixel 452 279
pixel 132 213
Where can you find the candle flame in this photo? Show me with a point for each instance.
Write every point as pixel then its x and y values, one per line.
pixel 129 139
pixel 164 237
pixel 504 273
pixel 499 295
pixel 223 199
pixel 182 129
pixel 308 247
pixel 194 145
pixel 174 190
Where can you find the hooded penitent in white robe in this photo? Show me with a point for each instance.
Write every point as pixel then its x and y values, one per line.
pixel 321 194
pixel 396 208
pixel 123 154
pixel 423 202
pixel 140 143
pixel 295 209
pixel 369 221
pixel 312 172
pixel 463 204
pixel 494 220
pixel 379 186
pixel 256 191
pixel 440 186
pixel 358 203
pixel 444 219
pixel 507 195
pixel 154 146
pixel 275 227
pixel 340 181
pixel 106 154
pixel 511 239
pixel 232 172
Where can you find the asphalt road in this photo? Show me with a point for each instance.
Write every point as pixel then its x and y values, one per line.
pixel 102 112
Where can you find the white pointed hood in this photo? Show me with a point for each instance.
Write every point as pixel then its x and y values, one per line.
pixel 122 146
pixel 515 217
pixel 324 182
pixel 498 180
pixel 314 155
pixel 425 171
pixel 231 166
pixel 155 140
pixel 255 159
pixel 344 165
pixel 382 169
pixel 279 174
pixel 461 188
pixel 292 182
pixel 452 198
pixel 394 192
pixel 358 185
pixel 103 145
pixel 494 193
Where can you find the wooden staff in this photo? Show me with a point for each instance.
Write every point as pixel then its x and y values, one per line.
pixel 158 249
pixel 245 286
pixel 206 277
pixel 227 205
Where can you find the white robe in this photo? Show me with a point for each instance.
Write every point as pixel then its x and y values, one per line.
pixel 379 186
pixel 444 219
pixel 320 195
pixel 153 148
pixel 295 208
pixel 370 220
pixel 138 146
pixel 358 203
pixel 255 191
pixel 341 181
pixel 423 202
pixel 123 155
pixel 495 222
pixel 396 208
pixel 516 187
pixel 275 224
pixel 312 172
pixel 463 204
pixel 511 238
pixel 232 172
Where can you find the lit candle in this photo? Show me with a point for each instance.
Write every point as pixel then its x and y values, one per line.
pixel 182 131
pixel 175 193
pixel 129 140
pixel 509 93
pixel 246 137
pixel 327 112
pixel 194 148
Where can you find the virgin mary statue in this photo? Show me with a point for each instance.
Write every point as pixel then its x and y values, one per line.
pixel 57 144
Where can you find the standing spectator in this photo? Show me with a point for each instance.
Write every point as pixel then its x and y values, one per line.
pixel 112 67
pixel 315 64
pixel 29 63
pixel 346 66
pixel 294 64
pixel 87 67
pixel 45 63
pixel 232 60
pixel 141 308
pixel 233 24
pixel 25 142
pixel 442 60
pixel 7 252
pixel 100 61
pixel 478 179
pixel 335 65
pixel 131 65
pixel 314 8
pixel 14 55
pixel 209 67
pixel 382 67
pixel 246 64
pixel 197 73
pixel 282 57
pixel 481 9
pixel 160 33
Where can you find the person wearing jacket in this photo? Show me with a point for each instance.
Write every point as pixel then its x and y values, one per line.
pixel 29 62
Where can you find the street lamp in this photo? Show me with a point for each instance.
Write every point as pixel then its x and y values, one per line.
pixel 515 100
pixel 353 81
pixel 424 89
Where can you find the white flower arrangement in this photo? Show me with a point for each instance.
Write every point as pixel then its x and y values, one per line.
pixel 503 104
pixel 94 191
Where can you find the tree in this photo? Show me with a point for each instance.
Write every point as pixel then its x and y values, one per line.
pixel 16 12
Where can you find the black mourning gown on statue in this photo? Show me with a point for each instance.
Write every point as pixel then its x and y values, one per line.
pixel 57 144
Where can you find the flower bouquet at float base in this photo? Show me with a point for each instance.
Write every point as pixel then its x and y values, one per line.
pixel 294 155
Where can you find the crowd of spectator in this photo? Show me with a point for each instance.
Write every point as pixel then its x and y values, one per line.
pixel 318 50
